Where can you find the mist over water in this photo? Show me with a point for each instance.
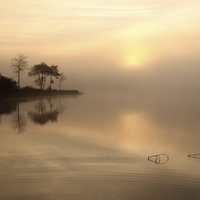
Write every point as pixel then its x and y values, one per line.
pixel 94 146
pixel 134 133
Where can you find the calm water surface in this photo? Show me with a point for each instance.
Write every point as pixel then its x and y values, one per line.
pixel 94 147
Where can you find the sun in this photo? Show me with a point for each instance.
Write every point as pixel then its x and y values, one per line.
pixel 133 60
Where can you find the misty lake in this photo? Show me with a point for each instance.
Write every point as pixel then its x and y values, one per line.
pixel 100 147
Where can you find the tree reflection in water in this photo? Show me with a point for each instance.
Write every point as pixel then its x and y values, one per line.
pixel 42 116
pixel 7 107
pixel 19 122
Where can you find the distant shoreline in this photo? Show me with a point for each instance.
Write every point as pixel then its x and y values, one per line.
pixel 38 93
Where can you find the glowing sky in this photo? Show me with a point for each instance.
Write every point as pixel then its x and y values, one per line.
pixel 95 36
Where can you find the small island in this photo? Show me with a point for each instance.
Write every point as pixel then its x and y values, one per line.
pixel 41 72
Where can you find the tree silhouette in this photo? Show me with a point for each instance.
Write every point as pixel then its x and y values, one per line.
pixel 19 64
pixel 41 72
pixel 7 84
pixel 53 72
pixel 62 78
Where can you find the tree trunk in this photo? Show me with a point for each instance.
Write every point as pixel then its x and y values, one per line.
pixel 50 82
pixel 60 84
pixel 18 79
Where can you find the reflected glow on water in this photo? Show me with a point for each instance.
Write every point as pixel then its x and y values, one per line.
pixel 99 147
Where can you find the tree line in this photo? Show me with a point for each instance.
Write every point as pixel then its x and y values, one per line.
pixel 7 84
pixel 40 72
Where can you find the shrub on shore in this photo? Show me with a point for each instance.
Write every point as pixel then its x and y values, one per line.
pixel 7 85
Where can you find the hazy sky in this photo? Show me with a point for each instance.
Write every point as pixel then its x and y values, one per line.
pixel 105 44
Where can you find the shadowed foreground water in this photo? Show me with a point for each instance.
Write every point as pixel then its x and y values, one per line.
pixel 100 147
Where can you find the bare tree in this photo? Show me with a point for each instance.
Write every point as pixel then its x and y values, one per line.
pixel 62 78
pixel 19 64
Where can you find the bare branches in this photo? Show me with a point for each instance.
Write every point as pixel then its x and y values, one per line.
pixel 19 64
pixel 40 71
pixel 62 78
